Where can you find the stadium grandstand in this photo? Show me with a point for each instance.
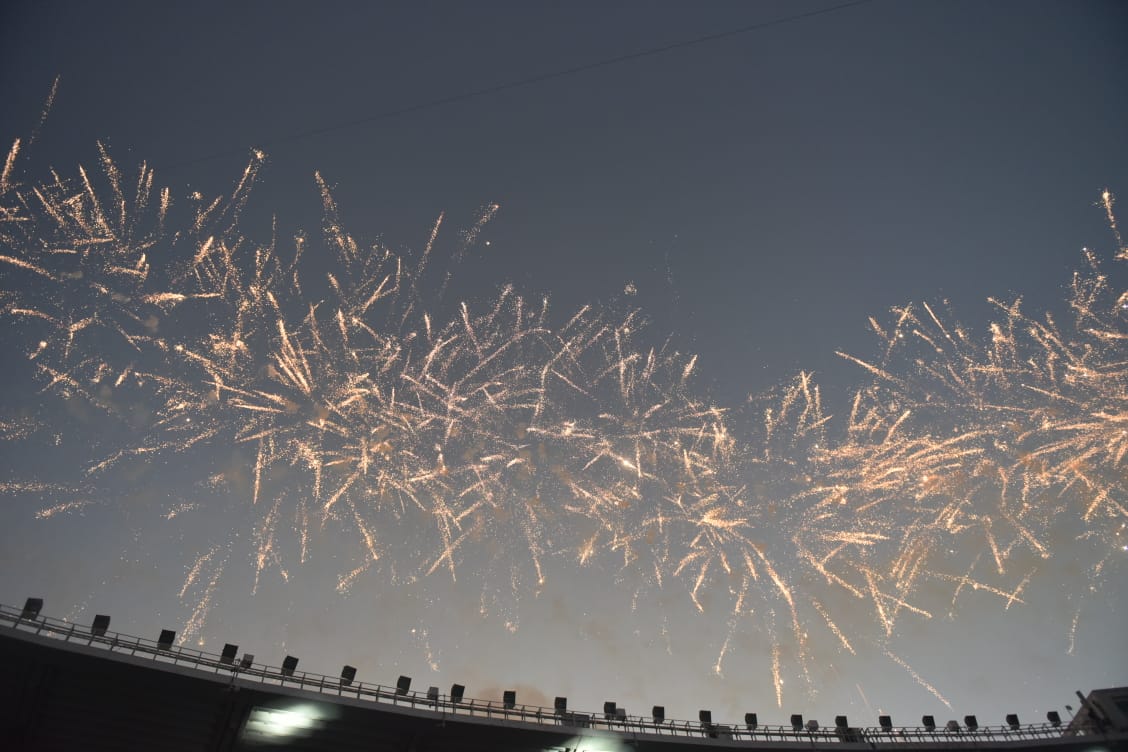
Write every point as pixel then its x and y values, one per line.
pixel 83 687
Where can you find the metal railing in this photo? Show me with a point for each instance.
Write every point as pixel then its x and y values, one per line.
pixel 201 660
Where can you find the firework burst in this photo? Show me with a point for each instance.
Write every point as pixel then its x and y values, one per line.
pixel 329 385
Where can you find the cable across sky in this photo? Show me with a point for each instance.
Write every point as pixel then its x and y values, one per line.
pixel 524 82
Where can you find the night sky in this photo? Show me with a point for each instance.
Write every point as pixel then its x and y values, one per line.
pixel 756 197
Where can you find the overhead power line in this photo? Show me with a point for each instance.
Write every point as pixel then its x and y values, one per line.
pixel 525 82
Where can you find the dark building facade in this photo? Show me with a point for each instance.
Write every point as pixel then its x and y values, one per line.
pixel 71 687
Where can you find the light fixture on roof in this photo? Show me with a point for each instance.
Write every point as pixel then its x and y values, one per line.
pixel 229 653
pixel 812 725
pixel 31 609
pixel 953 725
pixel 433 695
pixel 289 663
pixel 706 717
pixel 658 713
pixel 751 721
pixel 403 685
pixel 886 722
pixel 1054 718
pixel 971 723
pixel 509 699
pixel 348 673
pixel 1012 721
pixel 796 721
pixel 100 625
pixel 609 708
pixel 247 660
pixel 164 642
pixel 929 722
pixel 456 693
pixel 560 705
pixel 841 723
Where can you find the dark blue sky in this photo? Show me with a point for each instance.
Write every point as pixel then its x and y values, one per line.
pixel 766 192
pixel 817 172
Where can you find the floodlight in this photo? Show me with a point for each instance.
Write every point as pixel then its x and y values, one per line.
pixel 812 725
pixel 705 716
pixel 953 725
pixel 248 659
pixel 433 695
pixel 658 713
pixel 31 609
pixel 620 714
pixel 289 663
pixel 403 685
pixel 929 722
pixel 1054 718
pixel 509 699
pixel 886 722
pixel 609 709
pixel 840 722
pixel 228 654
pixel 797 721
pixel 348 673
pixel 751 721
pixel 456 693
pixel 100 625
pixel 561 705
pixel 971 723
pixel 164 642
pixel 1012 721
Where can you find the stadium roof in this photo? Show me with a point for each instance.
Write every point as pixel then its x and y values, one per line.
pixel 73 686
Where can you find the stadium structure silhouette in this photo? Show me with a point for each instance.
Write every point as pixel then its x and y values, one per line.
pixel 84 687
